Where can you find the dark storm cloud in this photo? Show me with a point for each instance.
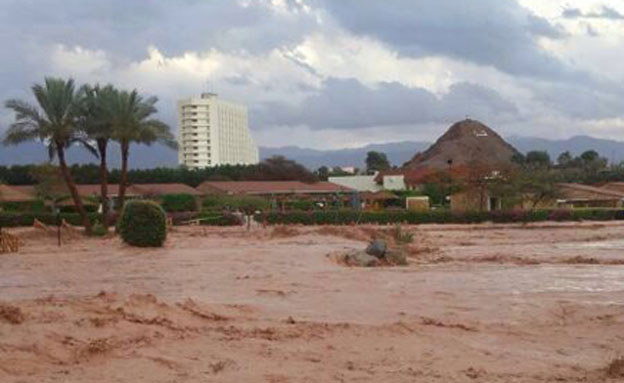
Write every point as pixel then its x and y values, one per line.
pixel 124 29
pixel 348 104
pixel 604 13
pixel 578 102
pixel 128 27
pixel 498 33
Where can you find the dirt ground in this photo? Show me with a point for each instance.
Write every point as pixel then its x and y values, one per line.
pixel 477 303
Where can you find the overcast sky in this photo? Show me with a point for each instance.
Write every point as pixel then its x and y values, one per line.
pixel 339 73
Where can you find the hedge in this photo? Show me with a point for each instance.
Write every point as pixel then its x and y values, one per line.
pixel 219 218
pixel 346 217
pixel 349 217
pixel 30 206
pixel 173 203
pixel 240 202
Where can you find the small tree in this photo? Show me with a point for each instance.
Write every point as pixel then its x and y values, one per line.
pixel 280 168
pixel 537 185
pixel 589 156
pixel 564 159
pixel 537 159
pixel 322 173
pixel 377 161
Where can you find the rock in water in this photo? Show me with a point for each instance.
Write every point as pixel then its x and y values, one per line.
pixel 396 257
pixel 360 258
pixel 377 248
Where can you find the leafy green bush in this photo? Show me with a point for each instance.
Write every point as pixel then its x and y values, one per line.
pixel 349 217
pixel 143 224
pixel 178 202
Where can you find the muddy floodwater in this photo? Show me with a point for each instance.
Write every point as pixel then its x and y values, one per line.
pixel 476 303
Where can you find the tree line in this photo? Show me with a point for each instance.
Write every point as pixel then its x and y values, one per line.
pixel 271 169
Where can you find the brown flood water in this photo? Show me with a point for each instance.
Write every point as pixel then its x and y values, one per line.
pixel 485 303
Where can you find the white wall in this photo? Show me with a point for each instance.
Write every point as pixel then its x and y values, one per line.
pixel 214 132
pixel 359 183
pixel 394 182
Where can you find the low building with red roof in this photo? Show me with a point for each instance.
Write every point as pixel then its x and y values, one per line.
pixel 269 188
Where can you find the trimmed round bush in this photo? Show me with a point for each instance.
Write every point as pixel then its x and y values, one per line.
pixel 143 224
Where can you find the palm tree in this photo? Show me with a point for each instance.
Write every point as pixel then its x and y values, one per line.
pixel 96 122
pixel 132 122
pixel 52 121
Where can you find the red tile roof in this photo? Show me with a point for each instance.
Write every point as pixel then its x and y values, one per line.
pixel 28 192
pixel 573 191
pixel 160 189
pixel 14 194
pixel 614 186
pixel 113 190
pixel 270 187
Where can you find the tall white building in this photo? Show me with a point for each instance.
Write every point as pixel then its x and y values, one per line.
pixel 214 132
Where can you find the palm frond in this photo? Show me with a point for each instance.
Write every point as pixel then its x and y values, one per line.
pixel 23 110
pixel 20 132
pixel 87 145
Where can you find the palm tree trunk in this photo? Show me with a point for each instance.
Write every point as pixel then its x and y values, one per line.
pixel 60 151
pixel 102 144
pixel 123 179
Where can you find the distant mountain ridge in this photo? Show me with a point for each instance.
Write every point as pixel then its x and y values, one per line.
pixel 400 152
pixel 397 152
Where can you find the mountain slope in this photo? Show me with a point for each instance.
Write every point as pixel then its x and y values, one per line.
pixel 397 153
pixel 140 156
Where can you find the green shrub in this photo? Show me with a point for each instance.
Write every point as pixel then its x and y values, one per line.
pixel 240 202
pixel 215 218
pixel 300 205
pixel 173 203
pixel 143 224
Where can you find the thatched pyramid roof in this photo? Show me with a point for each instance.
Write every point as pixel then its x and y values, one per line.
pixel 466 142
